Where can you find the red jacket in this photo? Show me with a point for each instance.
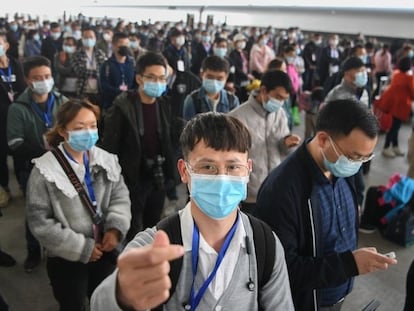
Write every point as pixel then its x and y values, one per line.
pixel 399 95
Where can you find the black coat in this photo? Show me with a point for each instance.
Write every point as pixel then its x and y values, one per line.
pixel 286 202
pixel 121 136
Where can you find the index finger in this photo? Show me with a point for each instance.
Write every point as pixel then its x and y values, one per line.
pixel 149 255
pixel 385 259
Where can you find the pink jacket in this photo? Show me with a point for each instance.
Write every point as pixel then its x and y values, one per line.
pixel 260 57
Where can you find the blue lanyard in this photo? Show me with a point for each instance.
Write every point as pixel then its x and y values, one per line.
pixel 47 116
pixel 196 298
pixel 8 77
pixel 88 180
pixel 122 69
pixel 9 73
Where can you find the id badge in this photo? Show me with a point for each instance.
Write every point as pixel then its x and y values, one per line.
pixel 12 78
pixel 123 87
pixel 11 96
pixel 180 65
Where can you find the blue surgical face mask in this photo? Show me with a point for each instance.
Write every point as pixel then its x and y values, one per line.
pixel 364 58
pixel 36 37
pixel 43 87
pixel 14 27
pixel 273 105
pixel 133 45
pixel 154 89
pixel 343 167
pixel 82 140
pixel 2 52
pixel 213 86
pixel 69 49
pixel 361 79
pixel 411 53
pixel 218 196
pixel 220 52
pixel 89 42
pixel 206 39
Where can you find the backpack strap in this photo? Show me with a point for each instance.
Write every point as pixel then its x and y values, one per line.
pixel 195 96
pixel 171 225
pixel 230 98
pixel 265 249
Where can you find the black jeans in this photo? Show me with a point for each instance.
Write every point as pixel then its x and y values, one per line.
pixel 147 203
pixel 392 135
pixel 73 281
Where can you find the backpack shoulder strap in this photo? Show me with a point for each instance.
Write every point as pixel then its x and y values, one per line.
pixel 172 226
pixel 230 98
pixel 265 249
pixel 195 96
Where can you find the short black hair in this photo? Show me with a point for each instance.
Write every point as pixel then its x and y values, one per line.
pixel 404 64
pixel 340 117
pixel 218 131
pixel 118 36
pixel 218 40
pixel 215 63
pixel 352 62
pixel 275 63
pixel 54 25
pixel 34 61
pixel 272 79
pixel 149 59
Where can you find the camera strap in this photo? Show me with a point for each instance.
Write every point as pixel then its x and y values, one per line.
pixel 67 168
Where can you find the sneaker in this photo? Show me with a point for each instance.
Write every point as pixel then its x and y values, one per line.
pixel 389 153
pixel 367 228
pixel 4 197
pixel 31 262
pixel 398 151
pixel 6 260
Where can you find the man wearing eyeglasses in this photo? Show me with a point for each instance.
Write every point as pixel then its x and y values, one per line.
pixel 310 202
pixel 138 130
pixel 219 267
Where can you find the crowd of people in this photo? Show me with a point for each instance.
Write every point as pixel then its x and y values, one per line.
pixel 96 114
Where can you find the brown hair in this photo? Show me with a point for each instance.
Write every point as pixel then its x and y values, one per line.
pixel 66 113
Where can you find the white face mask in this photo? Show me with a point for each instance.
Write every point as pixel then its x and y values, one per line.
pixel 43 87
pixel 241 45
pixel 180 41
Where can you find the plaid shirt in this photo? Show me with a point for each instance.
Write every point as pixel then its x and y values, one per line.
pixel 78 63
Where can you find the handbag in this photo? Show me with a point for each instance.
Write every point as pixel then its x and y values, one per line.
pixel 400 229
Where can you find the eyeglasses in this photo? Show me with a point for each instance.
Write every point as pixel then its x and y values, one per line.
pixel 154 78
pixel 206 168
pixel 362 159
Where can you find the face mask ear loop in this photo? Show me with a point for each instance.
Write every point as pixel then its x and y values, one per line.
pixel 333 146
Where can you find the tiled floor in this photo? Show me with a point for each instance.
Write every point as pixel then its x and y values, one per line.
pixel 32 292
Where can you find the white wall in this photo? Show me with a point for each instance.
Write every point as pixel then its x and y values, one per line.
pixel 373 23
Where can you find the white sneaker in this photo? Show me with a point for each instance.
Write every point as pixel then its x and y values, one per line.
pixel 398 151
pixel 389 153
pixel 4 197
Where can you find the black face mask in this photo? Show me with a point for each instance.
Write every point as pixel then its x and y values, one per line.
pixel 123 50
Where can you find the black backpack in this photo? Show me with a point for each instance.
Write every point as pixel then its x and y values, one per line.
pixel 263 239
pixel 195 96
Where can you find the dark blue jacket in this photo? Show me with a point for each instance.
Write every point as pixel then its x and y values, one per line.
pixel 287 202
pixel 112 77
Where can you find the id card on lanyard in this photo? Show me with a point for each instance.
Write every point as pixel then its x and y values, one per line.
pixel 9 79
pixel 195 298
pixel 46 116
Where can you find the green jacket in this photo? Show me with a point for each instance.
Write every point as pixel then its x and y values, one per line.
pixel 25 128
